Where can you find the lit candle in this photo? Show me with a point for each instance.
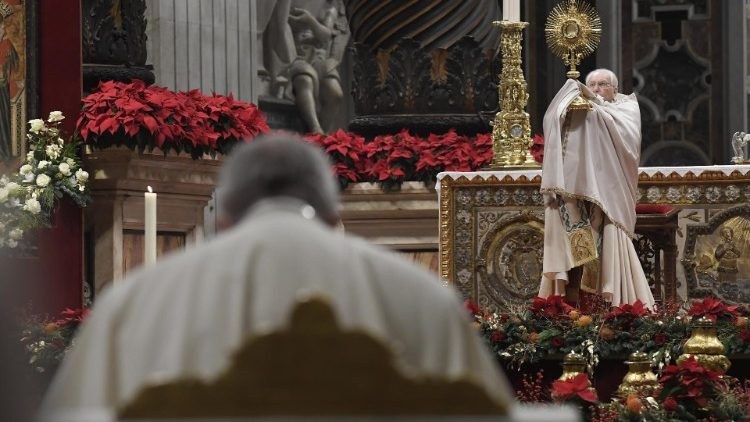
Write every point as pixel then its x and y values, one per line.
pixel 512 10
pixel 149 227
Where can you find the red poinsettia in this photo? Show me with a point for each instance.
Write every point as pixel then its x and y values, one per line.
pixel 136 115
pixel 712 308
pixel 472 307
pixel 577 387
pixel 626 310
pixel 346 151
pixel 537 147
pixel 71 316
pixel 689 381
pixel 550 307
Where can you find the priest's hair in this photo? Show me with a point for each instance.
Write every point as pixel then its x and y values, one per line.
pixel 274 166
pixel 612 77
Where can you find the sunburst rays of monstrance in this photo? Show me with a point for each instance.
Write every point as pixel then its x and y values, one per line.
pixel 573 32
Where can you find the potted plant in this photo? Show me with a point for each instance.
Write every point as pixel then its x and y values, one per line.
pixel 140 136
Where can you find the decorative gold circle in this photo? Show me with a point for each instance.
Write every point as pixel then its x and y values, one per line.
pixel 571 29
pixel 512 257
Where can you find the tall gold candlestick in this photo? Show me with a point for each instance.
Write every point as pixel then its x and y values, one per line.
pixel 511 130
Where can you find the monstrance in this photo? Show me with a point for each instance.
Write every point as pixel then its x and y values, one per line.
pixel 573 31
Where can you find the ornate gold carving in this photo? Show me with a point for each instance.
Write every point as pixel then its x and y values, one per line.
pixel 511 130
pixel 573 31
pixel 446 232
pixel 639 380
pixel 703 176
pixel 312 369
pixel 705 347
pixel 510 260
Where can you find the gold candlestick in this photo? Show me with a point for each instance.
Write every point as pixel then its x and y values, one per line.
pixel 511 130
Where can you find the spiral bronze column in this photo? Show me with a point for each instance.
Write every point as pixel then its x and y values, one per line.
pixel 114 42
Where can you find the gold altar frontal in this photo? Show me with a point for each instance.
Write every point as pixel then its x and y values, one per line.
pixel 492 231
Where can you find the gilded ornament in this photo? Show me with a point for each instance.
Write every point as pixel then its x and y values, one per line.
pixel 573 32
pixel 653 194
pixel 705 346
pixel 511 129
pixel 639 380
pixel 573 364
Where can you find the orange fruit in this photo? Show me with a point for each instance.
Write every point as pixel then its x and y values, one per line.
pixel 741 322
pixel 634 404
pixel 584 320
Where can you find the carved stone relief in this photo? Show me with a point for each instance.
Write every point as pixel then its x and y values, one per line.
pixel 716 256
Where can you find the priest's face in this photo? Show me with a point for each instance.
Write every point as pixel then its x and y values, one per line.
pixel 600 84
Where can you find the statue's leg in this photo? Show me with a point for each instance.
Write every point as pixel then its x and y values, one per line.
pixel 331 96
pixel 305 98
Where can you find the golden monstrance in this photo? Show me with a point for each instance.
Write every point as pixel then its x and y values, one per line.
pixel 573 32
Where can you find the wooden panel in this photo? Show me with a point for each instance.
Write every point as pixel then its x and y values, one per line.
pixel 194 40
pixel 430 260
pixel 206 45
pixel 245 46
pixel 219 45
pixel 132 246
pixel 232 51
pixel 182 45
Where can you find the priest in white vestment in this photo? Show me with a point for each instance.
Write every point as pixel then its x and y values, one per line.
pixel 590 183
pixel 186 315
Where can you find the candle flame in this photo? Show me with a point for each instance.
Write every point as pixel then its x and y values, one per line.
pixel 150 190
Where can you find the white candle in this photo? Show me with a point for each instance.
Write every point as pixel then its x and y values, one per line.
pixel 149 227
pixel 512 10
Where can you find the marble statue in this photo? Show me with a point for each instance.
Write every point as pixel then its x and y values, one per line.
pixel 318 34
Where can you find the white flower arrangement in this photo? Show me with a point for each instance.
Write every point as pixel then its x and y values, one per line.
pixel 51 171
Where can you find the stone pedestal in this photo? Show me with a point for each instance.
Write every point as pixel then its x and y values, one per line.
pixel 114 220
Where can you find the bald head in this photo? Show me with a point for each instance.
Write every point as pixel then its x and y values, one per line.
pixel 274 166
pixel 603 82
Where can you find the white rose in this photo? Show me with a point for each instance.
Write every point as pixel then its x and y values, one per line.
pixel 12 243
pixel 32 205
pixel 82 176
pixel 55 116
pixel 42 164
pixel 3 194
pixel 42 180
pixel 53 151
pixel 25 169
pixel 16 234
pixel 64 169
pixel 60 141
pixel 70 162
pixel 36 125
pixel 12 186
pixel 30 156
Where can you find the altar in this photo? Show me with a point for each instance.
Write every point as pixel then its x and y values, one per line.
pixel 491 226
